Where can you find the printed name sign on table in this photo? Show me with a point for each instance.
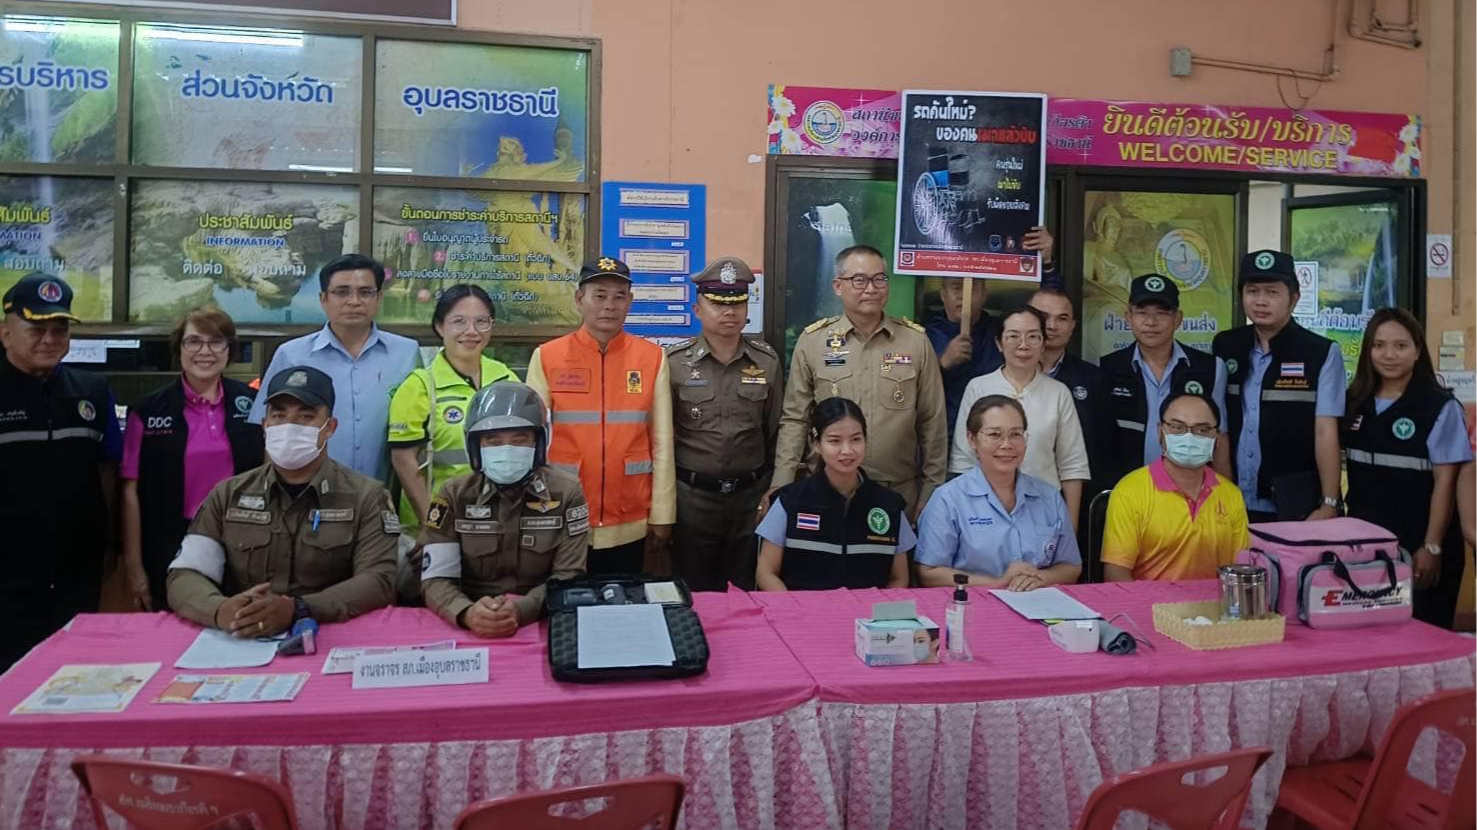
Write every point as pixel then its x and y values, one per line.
pixel 420 668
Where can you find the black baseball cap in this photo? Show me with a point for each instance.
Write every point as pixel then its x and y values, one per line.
pixel 310 386
pixel 1154 288
pixel 1268 266
pixel 38 297
pixel 604 267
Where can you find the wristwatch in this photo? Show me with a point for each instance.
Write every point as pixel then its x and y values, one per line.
pixel 300 610
pixel 1334 502
pixel 1433 549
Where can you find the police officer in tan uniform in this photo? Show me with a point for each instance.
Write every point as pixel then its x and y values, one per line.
pixel 508 526
pixel 299 537
pixel 888 367
pixel 727 395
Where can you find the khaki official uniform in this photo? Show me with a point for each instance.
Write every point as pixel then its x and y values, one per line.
pixel 333 546
pixel 724 420
pixel 481 540
pixel 893 376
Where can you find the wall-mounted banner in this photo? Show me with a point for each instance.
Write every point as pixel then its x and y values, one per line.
pixel 660 230
pixel 470 109
pixel 1246 139
pixel 58 89
pixel 971 184
pixel 524 249
pixel 63 226
pixel 245 99
pixel 254 249
pixel 829 121
pixel 826 121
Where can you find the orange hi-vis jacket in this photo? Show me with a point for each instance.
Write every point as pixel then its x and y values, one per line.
pixel 601 406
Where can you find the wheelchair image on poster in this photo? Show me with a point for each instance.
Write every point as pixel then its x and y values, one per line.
pixel 939 195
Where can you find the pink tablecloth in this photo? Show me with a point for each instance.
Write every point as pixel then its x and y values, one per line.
pixel 1021 736
pixel 745 735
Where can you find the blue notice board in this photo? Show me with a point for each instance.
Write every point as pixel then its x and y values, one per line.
pixel 661 231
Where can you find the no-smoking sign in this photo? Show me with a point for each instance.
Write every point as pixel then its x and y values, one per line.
pixel 1438 256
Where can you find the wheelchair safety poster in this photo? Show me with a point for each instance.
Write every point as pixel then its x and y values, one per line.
pixel 971 184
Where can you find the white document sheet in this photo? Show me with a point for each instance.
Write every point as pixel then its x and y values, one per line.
pixel 216 649
pixel 1045 604
pixel 613 636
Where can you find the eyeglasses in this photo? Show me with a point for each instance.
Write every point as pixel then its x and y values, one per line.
pixel 1157 315
pixel 1015 338
pixel 996 437
pixel 1177 428
pixel 481 325
pixel 344 292
pixel 860 282
pixel 193 345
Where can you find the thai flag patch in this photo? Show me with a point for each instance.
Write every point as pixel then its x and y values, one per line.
pixel 807 521
pixel 1292 370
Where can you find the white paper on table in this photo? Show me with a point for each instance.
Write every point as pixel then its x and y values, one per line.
pixel 216 649
pixel 1045 604
pixel 341 660
pixel 616 636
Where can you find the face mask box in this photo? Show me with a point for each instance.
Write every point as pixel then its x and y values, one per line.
pixel 897 636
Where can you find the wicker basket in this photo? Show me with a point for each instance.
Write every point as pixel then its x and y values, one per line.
pixel 1169 620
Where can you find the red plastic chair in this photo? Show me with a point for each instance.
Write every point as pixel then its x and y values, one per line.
pixel 632 804
pixel 1365 793
pixel 199 798
pixel 1160 793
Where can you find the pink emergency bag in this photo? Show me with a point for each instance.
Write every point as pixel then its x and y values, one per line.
pixel 1338 573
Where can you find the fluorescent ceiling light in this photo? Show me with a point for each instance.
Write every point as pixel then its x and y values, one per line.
pixel 378 169
pixel 27 23
pixel 319 168
pixel 216 34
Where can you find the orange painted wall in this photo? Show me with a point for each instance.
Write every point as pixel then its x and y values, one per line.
pixel 684 80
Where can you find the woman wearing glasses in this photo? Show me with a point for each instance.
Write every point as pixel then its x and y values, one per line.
pixel 181 441
pixel 1001 527
pixel 427 447
pixel 1055 451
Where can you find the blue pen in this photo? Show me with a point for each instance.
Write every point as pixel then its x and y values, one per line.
pixel 316 517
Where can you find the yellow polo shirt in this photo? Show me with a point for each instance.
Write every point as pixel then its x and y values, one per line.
pixel 1156 532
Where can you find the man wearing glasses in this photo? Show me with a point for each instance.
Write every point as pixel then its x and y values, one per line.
pixel 1140 377
pixel 1176 518
pixel 888 367
pixel 364 362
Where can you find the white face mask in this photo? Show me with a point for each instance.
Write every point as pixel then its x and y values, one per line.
pixel 506 464
pixel 292 446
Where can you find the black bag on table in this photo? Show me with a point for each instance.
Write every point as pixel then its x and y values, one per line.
pixel 565 597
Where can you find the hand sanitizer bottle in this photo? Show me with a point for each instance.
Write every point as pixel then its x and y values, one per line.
pixel 957 618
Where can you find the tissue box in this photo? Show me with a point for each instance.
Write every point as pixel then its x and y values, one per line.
pixel 897 642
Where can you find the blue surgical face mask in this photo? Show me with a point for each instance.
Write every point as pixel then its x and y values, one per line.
pixel 1189 450
pixel 506 464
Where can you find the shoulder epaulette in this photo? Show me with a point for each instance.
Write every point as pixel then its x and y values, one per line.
pixel 680 345
pixel 761 345
pixel 820 324
pixel 910 324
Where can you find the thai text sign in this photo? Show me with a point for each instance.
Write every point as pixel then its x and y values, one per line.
pixel 1208 137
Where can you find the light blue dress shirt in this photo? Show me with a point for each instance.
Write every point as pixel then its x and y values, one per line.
pixel 965 527
pixel 1157 389
pixel 1330 404
pixel 1447 443
pixel 361 389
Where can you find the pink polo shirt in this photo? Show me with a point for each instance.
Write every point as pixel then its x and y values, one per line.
pixel 207 460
